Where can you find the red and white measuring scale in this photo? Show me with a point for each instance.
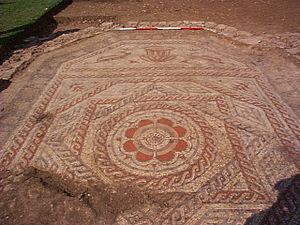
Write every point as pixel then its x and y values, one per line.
pixel 160 28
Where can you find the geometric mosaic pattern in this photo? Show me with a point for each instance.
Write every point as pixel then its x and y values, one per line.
pixel 168 115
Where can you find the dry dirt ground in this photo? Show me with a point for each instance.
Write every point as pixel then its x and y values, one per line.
pixel 173 127
pixel 270 16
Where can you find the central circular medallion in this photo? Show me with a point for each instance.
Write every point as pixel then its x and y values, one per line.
pixel 154 139
pixel 158 143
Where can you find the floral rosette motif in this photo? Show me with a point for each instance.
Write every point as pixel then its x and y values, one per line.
pixel 158 139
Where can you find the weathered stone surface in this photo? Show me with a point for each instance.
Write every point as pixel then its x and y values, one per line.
pixel 251 40
pixel 220 27
pixel 293 51
pixel 244 34
pixel 229 31
pixel 210 24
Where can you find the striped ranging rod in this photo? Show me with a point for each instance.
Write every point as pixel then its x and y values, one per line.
pixel 160 28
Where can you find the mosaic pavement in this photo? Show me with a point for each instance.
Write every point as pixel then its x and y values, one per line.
pixel 167 114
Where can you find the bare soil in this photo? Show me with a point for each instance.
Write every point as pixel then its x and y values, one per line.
pixel 259 16
pixel 40 198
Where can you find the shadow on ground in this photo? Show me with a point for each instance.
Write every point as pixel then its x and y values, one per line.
pixel 286 209
pixel 30 42
pixel 45 25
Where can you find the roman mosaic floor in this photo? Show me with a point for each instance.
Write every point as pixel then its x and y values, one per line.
pixel 182 114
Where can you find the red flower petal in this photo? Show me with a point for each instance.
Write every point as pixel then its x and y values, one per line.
pixel 180 131
pixel 130 132
pixel 166 157
pixel 145 123
pixel 181 145
pixel 129 146
pixel 165 121
pixel 143 157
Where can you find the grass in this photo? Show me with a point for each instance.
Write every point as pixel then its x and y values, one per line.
pixel 17 15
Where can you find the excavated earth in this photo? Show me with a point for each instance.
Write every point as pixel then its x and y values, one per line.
pixel 151 127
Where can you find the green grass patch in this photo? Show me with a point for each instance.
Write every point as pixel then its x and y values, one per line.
pixel 17 15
